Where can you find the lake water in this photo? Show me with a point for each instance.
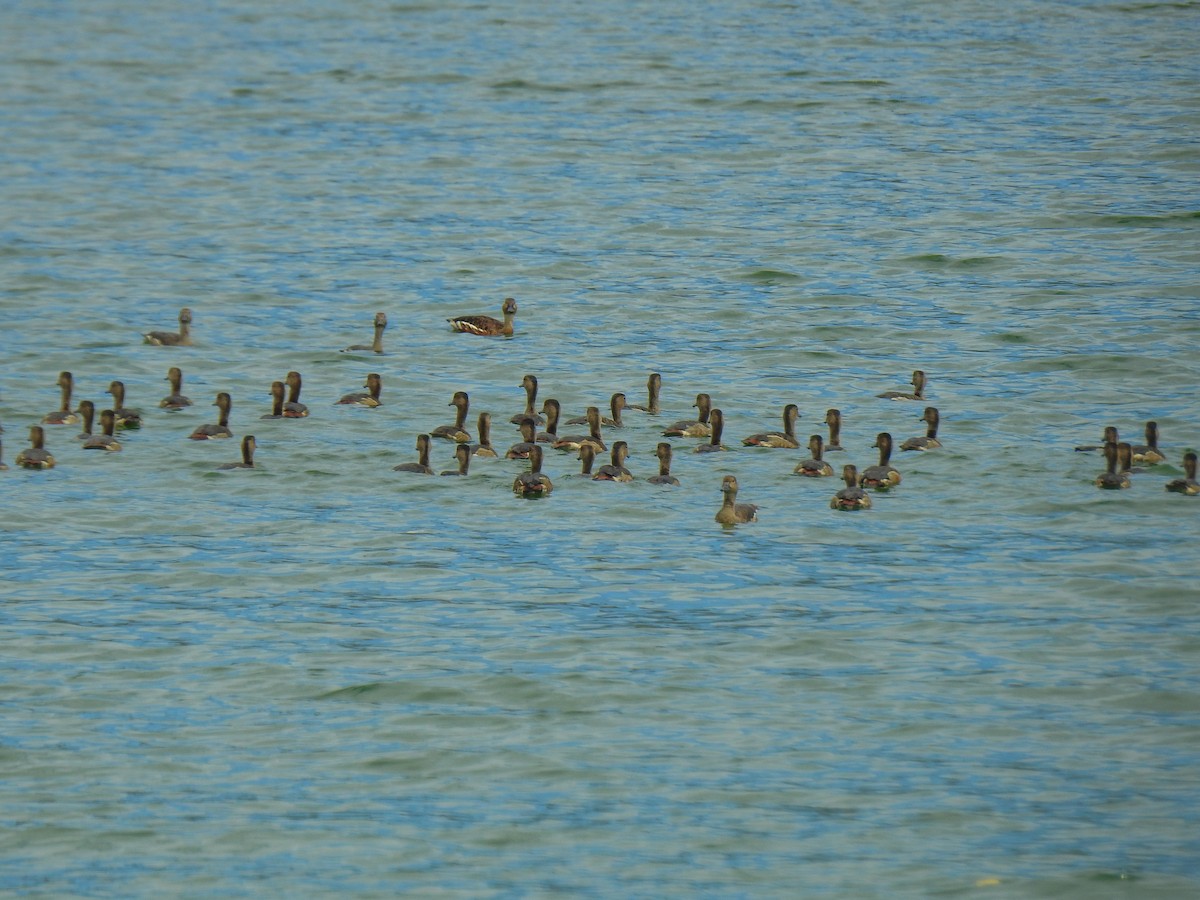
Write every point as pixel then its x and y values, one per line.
pixel 325 677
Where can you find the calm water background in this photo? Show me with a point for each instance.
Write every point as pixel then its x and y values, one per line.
pixel 323 676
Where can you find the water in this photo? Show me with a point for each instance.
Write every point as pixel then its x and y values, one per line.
pixel 323 676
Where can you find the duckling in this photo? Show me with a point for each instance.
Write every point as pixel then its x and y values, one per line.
pixel 615 471
pixel 574 441
pixel 521 449
pixel 422 466
pixel 64 415
pixel 221 429
pixel 1187 484
pixel 486 325
pixel 277 390
pixel 732 513
pixel 376 346
pixel 1148 452
pixel 484 427
pixel 882 476
pixel 552 410
pixel 458 431
pixel 716 420
pixel 664 476
pixel 616 404
pixel 833 418
pixel 36 456
pixel 248 446
pixel 1112 478
pixel 851 496
pixel 170 338
pixel 653 388
pixel 292 407
pixel 930 441
pixel 530 384
pixel 463 454
pixel 785 438
pixel 125 418
pixel 587 456
pixel 175 400
pixel 917 393
pixel 87 411
pixel 106 440
pixel 374 386
pixel 533 483
pixel 697 427
pixel 1110 436
pixel 815 467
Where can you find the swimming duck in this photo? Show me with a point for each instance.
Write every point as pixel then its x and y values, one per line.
pixel 421 467
pixel 292 407
pixel 486 325
pixel 697 427
pixel 930 441
pixel 221 429
pixel 106 440
pixel 833 418
pixel 664 476
pixel 1112 478
pixel 170 338
pixel 247 462
pixel 882 476
pixel 458 431
pixel 615 471
pixel 587 456
pixel 851 496
pixel 1110 436
pixel 653 388
pixel 917 393
pixel 573 441
pixel 716 420
pixel 64 415
pixel 731 512
pixel 125 418
pixel 276 412
pixel 552 410
pixel 36 456
pixel 1187 484
pixel 616 404
pixel 484 427
pixel 376 346
pixel 374 386
pixel 1148 452
pixel 521 449
pixel 87 411
pixel 815 467
pixel 530 384
pixel 533 483
pixel 785 438
pixel 175 400
pixel 463 454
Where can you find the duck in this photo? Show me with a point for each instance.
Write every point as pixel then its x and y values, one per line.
pixel 376 346
pixel 292 407
pixel 917 393
pixel 884 475
pixel 221 429
pixel 486 325
pixel 533 483
pixel 484 427
pixel 697 427
pixel 36 456
pixel 421 467
pixel 105 440
pixel 785 438
pixel 587 457
pixel 521 449
pixel 716 420
pixel 1148 453
pixel 64 415
pixel 458 431
pixel 125 418
pixel 170 338
pixel 174 400
pixel 833 418
pixel 574 441
pixel 814 467
pixel 731 512
pixel 664 476
pixel 1110 436
pixel 930 441
pixel 248 447
pixel 374 386
pixel 1111 478
pixel 463 454
pixel 87 412
pixel 552 409
pixel 653 389
pixel 616 403
pixel 530 384
pixel 851 496
pixel 615 470
pixel 1125 459
pixel 277 390
pixel 1187 484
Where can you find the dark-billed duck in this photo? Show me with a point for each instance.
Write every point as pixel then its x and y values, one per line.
pixel 520 450
pixel 653 388
pixel 247 462
pixel 292 407
pixel 533 483
pixel 1187 484
pixel 486 325
pixel 616 403
pixel 64 415
pixel 785 438
pixel 587 456
pixel 125 418
pixel 484 426
pixel 376 346
pixel 917 393
pixel 175 400
pixel 36 456
pixel 884 475
pixel 458 431
pixel 221 429
pixel 731 512
pixel 615 470
pixel 553 410
pixel 851 496
pixel 574 441
pixel 421 467
pixel 374 386
pixel 833 418
pixel 1148 453
pixel 1110 436
pixel 170 338
pixel 277 391
pixel 530 384
pixel 814 467
pixel 106 440
pixel 930 441
pixel 716 420
pixel 87 411
pixel 463 454
pixel 697 427
pixel 1112 478
pixel 664 476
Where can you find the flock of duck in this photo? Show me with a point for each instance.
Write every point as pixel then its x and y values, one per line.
pixel 539 429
